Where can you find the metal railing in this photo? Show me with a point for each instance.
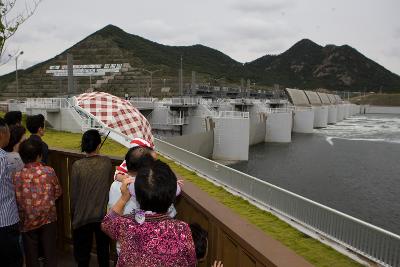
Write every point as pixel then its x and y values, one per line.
pixel 177 120
pixel 182 101
pixel 233 114
pixel 143 102
pixel 279 110
pixel 205 101
pixel 363 238
pixel 47 103
pixel 241 101
pixel 143 99
pixel 301 108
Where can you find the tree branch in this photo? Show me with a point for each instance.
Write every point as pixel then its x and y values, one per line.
pixel 9 24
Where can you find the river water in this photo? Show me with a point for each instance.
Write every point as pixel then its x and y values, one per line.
pixel 353 167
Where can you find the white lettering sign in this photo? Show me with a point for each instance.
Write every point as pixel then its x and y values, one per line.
pixel 84 70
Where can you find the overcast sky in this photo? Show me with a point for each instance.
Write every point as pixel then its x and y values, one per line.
pixel 242 29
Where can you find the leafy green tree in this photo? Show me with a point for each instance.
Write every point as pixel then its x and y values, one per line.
pixel 12 17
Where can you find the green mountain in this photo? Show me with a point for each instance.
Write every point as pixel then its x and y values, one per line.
pixel 309 65
pixel 305 65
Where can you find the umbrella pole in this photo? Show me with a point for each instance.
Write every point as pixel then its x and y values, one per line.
pixel 105 139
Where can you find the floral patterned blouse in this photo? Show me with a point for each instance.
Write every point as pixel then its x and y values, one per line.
pixel 36 190
pixel 158 241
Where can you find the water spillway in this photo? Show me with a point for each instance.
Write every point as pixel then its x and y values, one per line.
pixel 332 109
pixel 332 114
pixel 303 114
pixel 303 120
pixel 320 110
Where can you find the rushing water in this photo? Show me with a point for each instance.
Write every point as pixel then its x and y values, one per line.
pixel 353 166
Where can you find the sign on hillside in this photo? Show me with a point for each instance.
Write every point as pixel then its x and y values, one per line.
pixel 84 70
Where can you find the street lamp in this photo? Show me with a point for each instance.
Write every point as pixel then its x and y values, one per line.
pixel 16 69
pixel 151 76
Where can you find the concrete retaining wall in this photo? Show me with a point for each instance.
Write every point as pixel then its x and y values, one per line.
pixel 200 143
pixel 332 114
pixel 257 132
pixel 231 138
pixel 303 121
pixel 279 127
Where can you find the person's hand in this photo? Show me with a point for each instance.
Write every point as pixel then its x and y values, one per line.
pixel 124 189
pixel 217 264
pixel 180 183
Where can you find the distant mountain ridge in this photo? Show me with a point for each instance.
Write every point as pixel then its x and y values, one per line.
pixel 305 65
pixel 309 65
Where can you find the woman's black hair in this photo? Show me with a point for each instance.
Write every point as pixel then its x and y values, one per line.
pixel 136 157
pixel 200 239
pixel 16 133
pixel 90 141
pixel 33 123
pixel 30 149
pixel 13 118
pixel 155 187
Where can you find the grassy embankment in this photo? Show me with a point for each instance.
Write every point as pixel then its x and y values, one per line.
pixel 311 249
pixel 378 100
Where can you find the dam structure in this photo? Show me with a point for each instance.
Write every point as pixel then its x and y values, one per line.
pixel 215 124
pixel 223 130
pixel 327 109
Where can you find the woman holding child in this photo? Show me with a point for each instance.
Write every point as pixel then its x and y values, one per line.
pixel 148 236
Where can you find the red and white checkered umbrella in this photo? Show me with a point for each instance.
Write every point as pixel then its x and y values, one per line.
pixel 117 114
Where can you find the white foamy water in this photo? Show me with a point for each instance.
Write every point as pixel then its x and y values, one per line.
pixel 370 127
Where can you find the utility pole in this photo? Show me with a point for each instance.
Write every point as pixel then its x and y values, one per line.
pixel 16 71
pixel 151 77
pixel 71 84
pixel 181 78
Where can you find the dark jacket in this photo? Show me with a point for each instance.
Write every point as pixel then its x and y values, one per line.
pixel 90 184
pixel 45 148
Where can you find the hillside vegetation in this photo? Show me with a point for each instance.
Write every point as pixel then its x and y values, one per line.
pixel 378 100
pixel 305 65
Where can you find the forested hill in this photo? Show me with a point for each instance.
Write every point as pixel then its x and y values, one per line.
pixel 305 65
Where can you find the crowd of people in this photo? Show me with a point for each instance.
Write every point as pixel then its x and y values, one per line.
pixel 137 211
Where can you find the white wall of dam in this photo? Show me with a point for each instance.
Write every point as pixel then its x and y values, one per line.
pixel 303 120
pixel 279 127
pixel 257 132
pixel 231 138
pixel 196 125
pixel 367 109
pixel 199 143
pixel 346 111
pixel 61 120
pixel 340 112
pixel 356 109
pixel 332 114
pixel 320 116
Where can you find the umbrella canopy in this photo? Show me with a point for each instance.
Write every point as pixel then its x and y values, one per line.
pixel 117 114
